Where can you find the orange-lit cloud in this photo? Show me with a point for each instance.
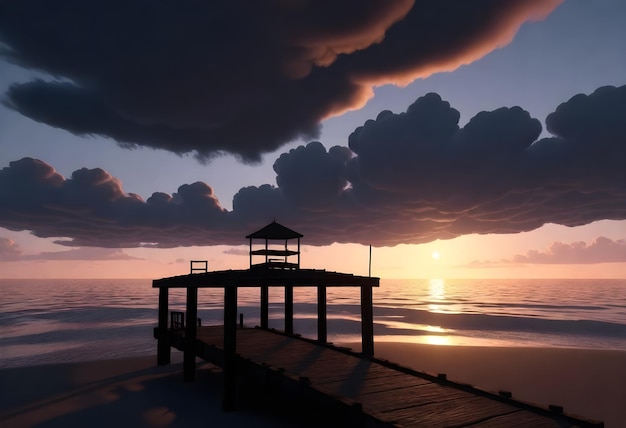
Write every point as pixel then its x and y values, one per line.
pixel 600 250
pixel 235 77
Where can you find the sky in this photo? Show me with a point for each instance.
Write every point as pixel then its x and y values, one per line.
pixel 481 139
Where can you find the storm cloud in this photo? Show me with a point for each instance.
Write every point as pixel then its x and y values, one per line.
pixel 235 77
pixel 409 177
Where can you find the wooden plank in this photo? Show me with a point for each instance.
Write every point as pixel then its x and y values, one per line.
pixel 465 409
pixel 391 400
pixel 518 419
pixel 313 364
pixel 362 391
pixel 355 389
pixel 271 277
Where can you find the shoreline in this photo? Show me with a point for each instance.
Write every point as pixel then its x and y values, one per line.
pixel 134 391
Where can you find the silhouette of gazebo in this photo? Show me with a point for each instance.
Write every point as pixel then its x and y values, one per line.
pixel 276 255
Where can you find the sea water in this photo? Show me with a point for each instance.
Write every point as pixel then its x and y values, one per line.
pixel 51 321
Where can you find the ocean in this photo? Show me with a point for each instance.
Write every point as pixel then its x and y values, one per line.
pixel 52 321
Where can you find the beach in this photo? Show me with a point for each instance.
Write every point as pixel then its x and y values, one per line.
pixel 135 392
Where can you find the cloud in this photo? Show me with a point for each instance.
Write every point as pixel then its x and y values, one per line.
pixel 235 77
pixel 10 251
pixel 94 254
pixel 600 250
pixel 409 177
pixel 237 251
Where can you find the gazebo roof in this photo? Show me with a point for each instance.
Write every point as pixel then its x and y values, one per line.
pixel 275 231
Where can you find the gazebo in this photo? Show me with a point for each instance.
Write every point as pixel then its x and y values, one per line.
pixel 275 258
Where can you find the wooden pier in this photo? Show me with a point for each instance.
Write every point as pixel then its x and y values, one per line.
pixel 358 388
pixel 367 391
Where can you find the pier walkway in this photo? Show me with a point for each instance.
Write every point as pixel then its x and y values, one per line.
pixel 371 392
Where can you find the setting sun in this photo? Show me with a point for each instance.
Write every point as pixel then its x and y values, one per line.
pixel 436 255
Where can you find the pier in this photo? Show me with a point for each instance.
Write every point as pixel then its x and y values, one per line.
pixel 356 387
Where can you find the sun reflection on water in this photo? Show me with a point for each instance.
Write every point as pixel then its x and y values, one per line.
pixel 437 293
pixel 437 340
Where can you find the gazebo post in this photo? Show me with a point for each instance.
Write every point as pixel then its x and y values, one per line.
pixel 189 362
pixel 264 305
pixel 230 348
pixel 322 329
pixel 163 343
pixel 288 309
pixel 367 320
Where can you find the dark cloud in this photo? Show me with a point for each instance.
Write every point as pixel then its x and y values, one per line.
pixel 234 77
pixel 600 250
pixel 312 178
pixel 411 177
pixel 92 208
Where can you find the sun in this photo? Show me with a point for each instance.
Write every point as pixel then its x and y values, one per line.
pixel 436 255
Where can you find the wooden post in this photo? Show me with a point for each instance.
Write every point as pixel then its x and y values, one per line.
pixel 265 299
pixel 189 362
pixel 322 329
pixel 250 252
pixel 163 342
pixel 229 403
pixel 367 320
pixel 288 309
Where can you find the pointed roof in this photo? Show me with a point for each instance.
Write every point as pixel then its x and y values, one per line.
pixel 275 231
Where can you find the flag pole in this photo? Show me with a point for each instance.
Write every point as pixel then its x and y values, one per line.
pixel 370 265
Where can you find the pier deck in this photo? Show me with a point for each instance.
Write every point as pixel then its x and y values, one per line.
pixel 375 392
